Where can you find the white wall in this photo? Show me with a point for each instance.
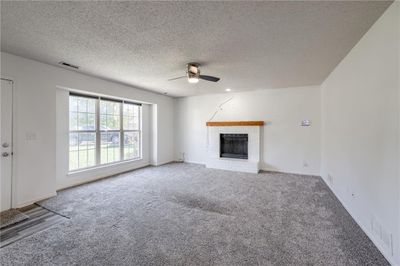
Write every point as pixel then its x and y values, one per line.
pixel 286 145
pixel 154 137
pixel 360 144
pixel 37 173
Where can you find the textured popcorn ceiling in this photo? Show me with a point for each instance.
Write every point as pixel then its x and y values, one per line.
pixel 249 45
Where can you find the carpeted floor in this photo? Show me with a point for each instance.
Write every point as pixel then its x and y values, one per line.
pixel 185 214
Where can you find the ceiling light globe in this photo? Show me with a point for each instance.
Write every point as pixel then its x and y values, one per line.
pixel 193 80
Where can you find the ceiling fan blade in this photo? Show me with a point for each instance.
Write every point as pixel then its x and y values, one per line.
pixel 209 78
pixel 178 78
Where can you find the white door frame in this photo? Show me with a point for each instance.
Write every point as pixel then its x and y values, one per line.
pixel 13 132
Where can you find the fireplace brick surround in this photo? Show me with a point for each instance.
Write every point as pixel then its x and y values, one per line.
pixel 253 131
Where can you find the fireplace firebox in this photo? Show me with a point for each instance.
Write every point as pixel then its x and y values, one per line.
pixel 234 146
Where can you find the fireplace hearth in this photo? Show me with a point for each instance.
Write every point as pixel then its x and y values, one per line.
pixel 234 146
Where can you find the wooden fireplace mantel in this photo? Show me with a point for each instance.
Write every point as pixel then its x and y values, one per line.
pixel 234 123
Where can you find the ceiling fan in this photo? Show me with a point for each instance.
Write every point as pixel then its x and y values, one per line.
pixel 193 74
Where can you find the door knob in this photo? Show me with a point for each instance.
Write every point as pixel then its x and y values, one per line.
pixel 5 145
pixel 5 154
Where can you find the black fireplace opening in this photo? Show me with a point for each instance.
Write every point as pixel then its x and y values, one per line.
pixel 233 146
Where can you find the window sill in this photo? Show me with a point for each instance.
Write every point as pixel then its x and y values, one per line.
pixel 97 167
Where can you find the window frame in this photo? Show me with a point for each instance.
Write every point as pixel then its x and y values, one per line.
pixel 139 130
pixel 98 132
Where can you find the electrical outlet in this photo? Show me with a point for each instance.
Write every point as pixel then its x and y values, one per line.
pixel 29 136
pixel 350 192
pixel 305 164
pixel 353 195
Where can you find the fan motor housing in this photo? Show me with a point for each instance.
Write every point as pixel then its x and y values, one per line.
pixel 193 70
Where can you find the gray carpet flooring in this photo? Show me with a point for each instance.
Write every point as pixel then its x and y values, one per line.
pixel 185 214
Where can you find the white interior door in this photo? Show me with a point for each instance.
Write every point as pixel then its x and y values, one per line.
pixel 6 143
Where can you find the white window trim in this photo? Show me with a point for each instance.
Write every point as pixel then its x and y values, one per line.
pixel 98 134
pixel 101 166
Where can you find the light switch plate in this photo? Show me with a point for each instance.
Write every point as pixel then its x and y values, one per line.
pixel 30 136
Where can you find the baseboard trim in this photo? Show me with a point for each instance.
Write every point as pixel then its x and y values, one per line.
pixel 374 240
pixel 262 169
pixel 30 202
pixel 286 172
pixel 173 161
pixel 75 184
pixel 107 176
pixel 195 162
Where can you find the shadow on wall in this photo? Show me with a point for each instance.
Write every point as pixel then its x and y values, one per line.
pixel 263 165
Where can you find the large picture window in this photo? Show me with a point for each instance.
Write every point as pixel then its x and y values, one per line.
pixel 102 131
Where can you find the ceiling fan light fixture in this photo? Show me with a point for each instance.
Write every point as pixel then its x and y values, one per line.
pixel 193 79
pixel 193 74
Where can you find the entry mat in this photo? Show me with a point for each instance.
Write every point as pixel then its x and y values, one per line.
pixel 11 217
pixel 29 220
